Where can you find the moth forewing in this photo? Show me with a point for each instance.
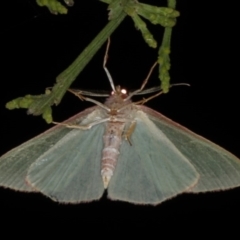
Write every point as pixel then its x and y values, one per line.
pixel 15 163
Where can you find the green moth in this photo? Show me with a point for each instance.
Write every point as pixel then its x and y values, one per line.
pixel 134 153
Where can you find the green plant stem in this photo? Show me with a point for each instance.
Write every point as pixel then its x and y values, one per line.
pixel 65 79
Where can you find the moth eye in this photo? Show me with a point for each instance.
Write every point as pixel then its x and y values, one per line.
pixel 124 91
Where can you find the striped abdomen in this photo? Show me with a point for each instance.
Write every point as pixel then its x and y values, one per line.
pixel 112 141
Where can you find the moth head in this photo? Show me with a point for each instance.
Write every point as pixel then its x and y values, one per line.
pixel 121 92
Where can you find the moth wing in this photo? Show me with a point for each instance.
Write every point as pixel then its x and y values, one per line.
pixel 218 168
pixel 15 163
pixel 152 170
pixel 69 171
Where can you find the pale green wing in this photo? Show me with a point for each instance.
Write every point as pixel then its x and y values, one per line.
pixel 70 171
pixel 218 168
pixel 15 163
pixel 152 170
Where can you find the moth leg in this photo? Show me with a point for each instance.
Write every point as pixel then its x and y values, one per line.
pixel 89 100
pixel 144 82
pixel 81 97
pixel 82 127
pixel 129 132
pixel 144 100
pixel 97 103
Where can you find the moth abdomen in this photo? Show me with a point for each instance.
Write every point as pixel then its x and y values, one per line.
pixel 112 141
pixel 109 161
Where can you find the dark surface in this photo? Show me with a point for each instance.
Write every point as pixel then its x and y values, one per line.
pixel 37 46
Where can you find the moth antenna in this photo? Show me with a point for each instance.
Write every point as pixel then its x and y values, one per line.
pixel 180 84
pixel 105 68
pixel 160 92
pixel 148 76
pixel 144 82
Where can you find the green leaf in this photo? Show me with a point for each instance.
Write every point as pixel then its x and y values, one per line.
pixel 162 11
pixel 21 102
pixel 164 60
pixel 157 18
pixel 54 6
pixel 141 25
pixel 115 9
pixel 47 115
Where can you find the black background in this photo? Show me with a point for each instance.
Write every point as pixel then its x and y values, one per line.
pixel 37 46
